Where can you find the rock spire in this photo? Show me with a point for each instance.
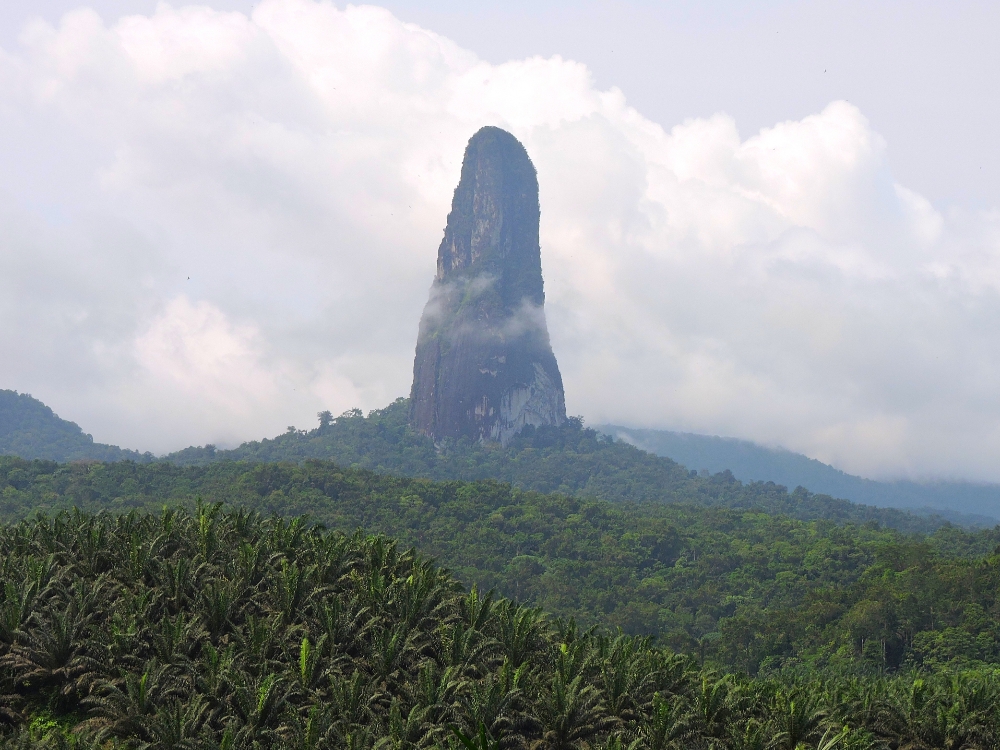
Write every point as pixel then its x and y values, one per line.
pixel 484 367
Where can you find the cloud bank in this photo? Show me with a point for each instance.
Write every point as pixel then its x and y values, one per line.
pixel 213 226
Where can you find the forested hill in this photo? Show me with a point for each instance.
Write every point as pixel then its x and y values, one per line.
pixel 226 630
pixel 742 589
pixel 751 462
pixel 569 459
pixel 30 429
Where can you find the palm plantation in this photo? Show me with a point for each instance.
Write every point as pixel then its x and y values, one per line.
pixel 219 629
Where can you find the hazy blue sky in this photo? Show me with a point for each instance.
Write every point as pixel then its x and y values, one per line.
pixel 775 221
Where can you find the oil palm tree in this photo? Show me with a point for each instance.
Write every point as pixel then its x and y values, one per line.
pixel 570 714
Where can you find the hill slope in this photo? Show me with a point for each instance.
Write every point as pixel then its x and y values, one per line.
pixel 567 459
pixel 30 429
pixel 742 586
pixel 751 462
pixel 226 630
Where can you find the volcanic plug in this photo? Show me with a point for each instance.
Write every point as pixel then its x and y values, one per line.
pixel 484 367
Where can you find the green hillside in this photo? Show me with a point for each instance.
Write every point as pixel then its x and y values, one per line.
pixel 750 462
pixel 228 631
pixel 30 429
pixel 743 587
pixel 569 459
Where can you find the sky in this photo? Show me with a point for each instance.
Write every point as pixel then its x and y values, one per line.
pixel 774 221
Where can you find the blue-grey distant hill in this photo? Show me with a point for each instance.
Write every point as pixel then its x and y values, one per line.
pixel 751 462
pixel 29 429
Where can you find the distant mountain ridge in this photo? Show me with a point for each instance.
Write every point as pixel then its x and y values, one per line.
pixel 569 459
pixel 751 462
pixel 637 469
pixel 30 429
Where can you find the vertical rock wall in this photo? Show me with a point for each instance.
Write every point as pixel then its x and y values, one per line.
pixel 484 367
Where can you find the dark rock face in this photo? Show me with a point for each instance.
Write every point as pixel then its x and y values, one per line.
pixel 484 366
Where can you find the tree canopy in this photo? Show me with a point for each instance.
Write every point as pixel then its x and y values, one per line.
pixel 744 588
pixel 229 630
pixel 570 459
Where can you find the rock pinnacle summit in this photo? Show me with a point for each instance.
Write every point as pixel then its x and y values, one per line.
pixel 484 368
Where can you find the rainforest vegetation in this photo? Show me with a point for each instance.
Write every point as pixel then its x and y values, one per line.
pixel 245 604
pixel 230 630
pixel 571 459
pixel 742 589
pixel 30 429
pixel 962 502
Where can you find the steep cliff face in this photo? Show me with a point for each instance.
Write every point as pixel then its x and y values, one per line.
pixel 484 367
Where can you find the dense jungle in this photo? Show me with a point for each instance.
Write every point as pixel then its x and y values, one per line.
pixel 228 629
pixel 741 627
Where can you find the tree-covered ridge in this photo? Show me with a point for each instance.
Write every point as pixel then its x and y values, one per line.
pixel 570 459
pixel 30 429
pixel 978 502
pixel 229 630
pixel 745 589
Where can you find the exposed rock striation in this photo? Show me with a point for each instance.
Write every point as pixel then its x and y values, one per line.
pixel 484 367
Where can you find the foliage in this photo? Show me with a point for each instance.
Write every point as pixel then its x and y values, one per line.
pixel 742 589
pixel 968 503
pixel 30 429
pixel 228 630
pixel 568 459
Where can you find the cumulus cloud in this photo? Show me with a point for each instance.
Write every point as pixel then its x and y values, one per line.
pixel 215 225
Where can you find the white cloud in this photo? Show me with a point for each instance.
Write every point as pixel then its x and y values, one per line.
pixel 217 225
pixel 195 349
